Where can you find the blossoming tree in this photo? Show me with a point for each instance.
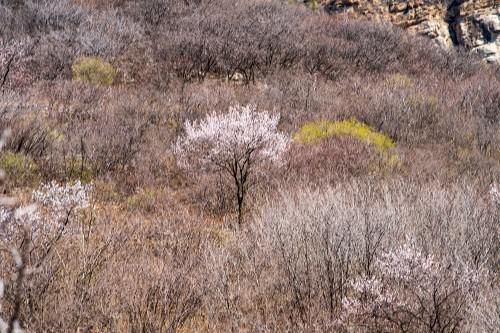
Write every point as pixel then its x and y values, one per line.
pixel 39 224
pixel 413 292
pixel 235 144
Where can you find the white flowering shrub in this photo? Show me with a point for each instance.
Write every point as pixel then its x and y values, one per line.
pixel 57 202
pixel 61 199
pixel 39 223
pixel 234 143
pixel 52 205
pixel 14 221
pixel 413 292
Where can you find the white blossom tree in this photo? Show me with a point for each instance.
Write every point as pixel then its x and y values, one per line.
pixel 41 223
pixel 235 144
pixel 413 292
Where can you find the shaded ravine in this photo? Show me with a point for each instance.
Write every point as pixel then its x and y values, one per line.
pixel 451 17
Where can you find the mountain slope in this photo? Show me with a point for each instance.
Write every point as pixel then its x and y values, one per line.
pixel 473 24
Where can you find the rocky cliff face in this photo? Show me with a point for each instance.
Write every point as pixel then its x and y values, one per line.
pixel 473 24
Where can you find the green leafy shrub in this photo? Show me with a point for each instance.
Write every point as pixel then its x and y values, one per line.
pixel 95 70
pixel 20 169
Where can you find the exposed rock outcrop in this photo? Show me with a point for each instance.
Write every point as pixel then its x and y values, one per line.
pixel 473 24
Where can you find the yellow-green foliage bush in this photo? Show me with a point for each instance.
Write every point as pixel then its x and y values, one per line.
pixel 19 169
pixel 95 70
pixel 75 170
pixel 314 131
pixel 313 4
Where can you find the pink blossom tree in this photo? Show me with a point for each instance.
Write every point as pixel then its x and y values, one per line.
pixel 234 144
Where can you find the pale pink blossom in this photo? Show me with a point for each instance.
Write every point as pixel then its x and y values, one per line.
pixel 222 137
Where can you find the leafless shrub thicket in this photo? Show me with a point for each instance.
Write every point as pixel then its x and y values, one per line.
pixel 305 261
pixel 146 278
pixel 258 38
pixel 331 160
pixel 246 40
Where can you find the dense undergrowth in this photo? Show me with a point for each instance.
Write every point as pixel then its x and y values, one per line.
pixel 396 146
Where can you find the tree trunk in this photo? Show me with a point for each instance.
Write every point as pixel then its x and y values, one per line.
pixel 240 207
